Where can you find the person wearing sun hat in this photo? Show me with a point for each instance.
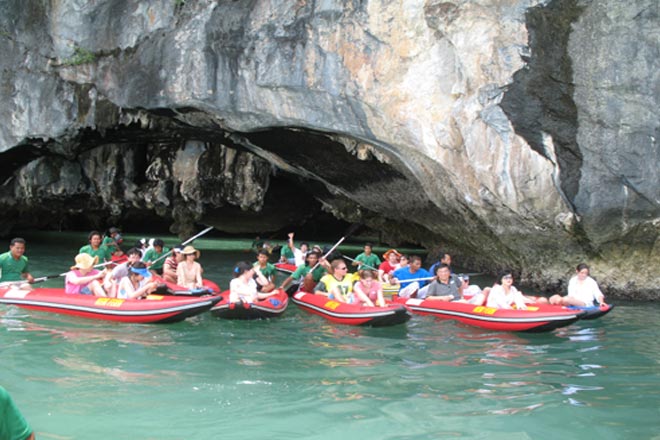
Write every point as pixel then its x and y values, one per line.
pixel 138 284
pixel 83 278
pixel 189 271
pixel 388 266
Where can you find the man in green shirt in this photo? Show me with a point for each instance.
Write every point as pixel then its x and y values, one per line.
pixel 113 239
pixel 13 264
pixel 95 248
pixel 13 425
pixel 366 259
pixel 287 255
pixel 267 270
pixel 155 256
pixel 305 269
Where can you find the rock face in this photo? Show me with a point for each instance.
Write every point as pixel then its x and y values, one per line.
pixel 516 133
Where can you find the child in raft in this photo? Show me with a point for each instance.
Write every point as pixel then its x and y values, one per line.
pixel 244 287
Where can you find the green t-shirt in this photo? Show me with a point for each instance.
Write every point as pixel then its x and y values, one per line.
pixel 13 425
pixel 371 260
pixel 12 268
pixel 302 270
pixel 102 252
pixel 109 242
pixel 269 271
pixel 152 255
pixel 286 252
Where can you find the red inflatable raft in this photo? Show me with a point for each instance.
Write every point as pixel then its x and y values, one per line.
pixel 286 268
pixel 153 309
pixel 537 318
pixel 351 314
pixel 271 307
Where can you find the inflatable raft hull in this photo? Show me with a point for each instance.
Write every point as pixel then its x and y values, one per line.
pixel 536 319
pixel 594 312
pixel 286 268
pixel 166 287
pixel 153 309
pixel 351 314
pixel 271 307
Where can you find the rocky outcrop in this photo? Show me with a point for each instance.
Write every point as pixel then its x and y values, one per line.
pixel 512 133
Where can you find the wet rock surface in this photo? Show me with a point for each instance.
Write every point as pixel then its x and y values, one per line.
pixel 517 133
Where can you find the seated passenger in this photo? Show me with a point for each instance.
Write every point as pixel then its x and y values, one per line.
pixel 413 271
pixel 189 271
pixel 244 287
pixel 388 266
pixel 14 265
pixel 113 277
pixel 446 287
pixel 113 239
pixel 95 248
pixel 368 291
pixel 304 271
pixel 267 270
pixel 287 254
pixel 298 254
pixel 583 291
pixel 503 295
pixel 83 278
pixel 137 284
pixel 450 287
pixel 171 263
pixel 367 260
pixel 336 285
pixel 154 257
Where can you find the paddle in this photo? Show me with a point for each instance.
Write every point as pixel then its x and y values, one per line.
pixel 47 277
pixel 191 239
pixel 347 234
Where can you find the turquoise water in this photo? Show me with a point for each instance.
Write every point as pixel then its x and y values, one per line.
pixel 301 377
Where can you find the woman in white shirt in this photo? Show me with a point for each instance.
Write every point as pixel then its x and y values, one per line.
pixel 137 284
pixel 582 290
pixel 504 296
pixel 243 287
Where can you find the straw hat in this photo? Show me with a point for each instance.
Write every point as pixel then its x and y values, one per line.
pixel 190 250
pixel 85 261
pixel 386 255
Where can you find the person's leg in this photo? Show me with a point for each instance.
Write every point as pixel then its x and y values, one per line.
pixel 96 288
pixel 422 293
pixel 409 290
pixel 570 301
pixel 555 300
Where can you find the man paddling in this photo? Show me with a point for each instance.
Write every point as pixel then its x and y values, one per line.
pixel 13 264
pixel 412 272
pixel 95 248
pixel 367 260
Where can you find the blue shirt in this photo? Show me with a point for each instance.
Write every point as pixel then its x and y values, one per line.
pixel 404 274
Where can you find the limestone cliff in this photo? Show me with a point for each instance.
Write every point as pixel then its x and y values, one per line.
pixel 517 133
